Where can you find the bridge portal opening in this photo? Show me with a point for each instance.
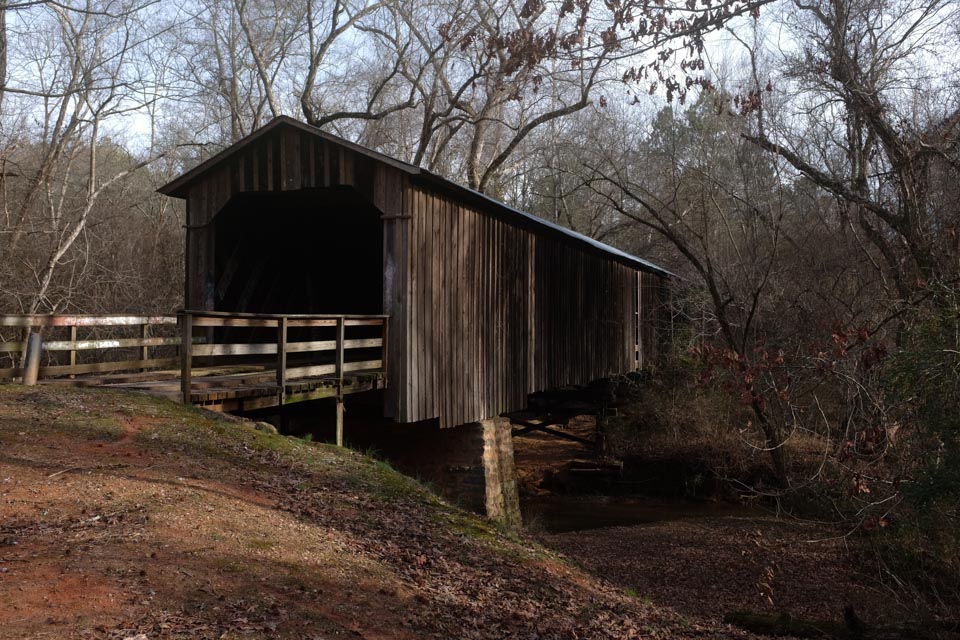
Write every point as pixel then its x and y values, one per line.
pixel 307 251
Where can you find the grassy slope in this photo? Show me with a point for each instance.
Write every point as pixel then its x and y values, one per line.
pixel 121 514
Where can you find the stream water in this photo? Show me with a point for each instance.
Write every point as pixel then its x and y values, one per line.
pixel 562 513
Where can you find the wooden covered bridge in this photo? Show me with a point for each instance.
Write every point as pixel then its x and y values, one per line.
pixel 316 267
pixel 484 304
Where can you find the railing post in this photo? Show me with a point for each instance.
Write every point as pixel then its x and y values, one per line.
pixel 339 420
pixel 144 349
pixel 31 364
pixel 186 355
pixel 282 358
pixel 73 349
pixel 384 358
pixel 341 333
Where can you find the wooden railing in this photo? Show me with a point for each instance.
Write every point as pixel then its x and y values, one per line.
pixel 294 347
pixel 251 359
pixel 85 344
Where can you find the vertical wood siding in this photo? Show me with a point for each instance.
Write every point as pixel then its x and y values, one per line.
pixel 498 312
pixel 651 311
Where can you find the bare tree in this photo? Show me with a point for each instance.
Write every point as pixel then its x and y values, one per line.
pixel 87 80
pixel 872 109
pixel 719 203
pixel 269 32
pixel 213 74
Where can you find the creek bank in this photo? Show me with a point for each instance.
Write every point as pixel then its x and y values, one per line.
pixel 661 531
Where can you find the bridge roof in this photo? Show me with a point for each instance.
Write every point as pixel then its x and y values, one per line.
pixel 179 187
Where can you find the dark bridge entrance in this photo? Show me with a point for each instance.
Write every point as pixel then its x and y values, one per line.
pixel 310 251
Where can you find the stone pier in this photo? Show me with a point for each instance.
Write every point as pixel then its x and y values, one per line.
pixel 471 465
pixel 502 499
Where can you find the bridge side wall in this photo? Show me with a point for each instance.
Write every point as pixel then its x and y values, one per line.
pixel 495 312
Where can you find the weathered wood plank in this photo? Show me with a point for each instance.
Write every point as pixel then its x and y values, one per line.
pixel 102 367
pixel 330 345
pixel 403 297
pixel 200 321
pixel 83 320
pixel 428 385
pixel 443 312
pixel 365 318
pixel 458 309
pixel 331 369
pixel 416 307
pixel 120 343
pixel 437 291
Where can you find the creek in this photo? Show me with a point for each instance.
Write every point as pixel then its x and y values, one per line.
pixel 563 513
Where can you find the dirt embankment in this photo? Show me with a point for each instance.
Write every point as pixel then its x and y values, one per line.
pixel 122 515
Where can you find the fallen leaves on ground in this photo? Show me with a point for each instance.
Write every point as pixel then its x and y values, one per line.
pixel 124 516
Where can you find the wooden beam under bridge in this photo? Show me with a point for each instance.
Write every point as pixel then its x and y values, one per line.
pixel 545 427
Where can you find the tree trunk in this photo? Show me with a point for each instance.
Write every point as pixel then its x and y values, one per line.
pixel 3 51
pixel 774 442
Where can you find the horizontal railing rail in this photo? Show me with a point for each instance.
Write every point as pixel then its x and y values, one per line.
pixel 84 320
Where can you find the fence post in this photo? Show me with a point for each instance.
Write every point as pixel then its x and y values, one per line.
pixel 186 354
pixel 144 349
pixel 339 420
pixel 31 364
pixel 282 358
pixel 341 333
pixel 73 348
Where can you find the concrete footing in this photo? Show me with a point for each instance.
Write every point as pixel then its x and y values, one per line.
pixel 502 498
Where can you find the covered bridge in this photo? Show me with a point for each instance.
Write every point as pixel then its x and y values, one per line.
pixel 486 303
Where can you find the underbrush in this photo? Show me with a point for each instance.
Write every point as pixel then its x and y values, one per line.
pixel 917 564
pixel 872 447
pixel 668 419
pixel 917 548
